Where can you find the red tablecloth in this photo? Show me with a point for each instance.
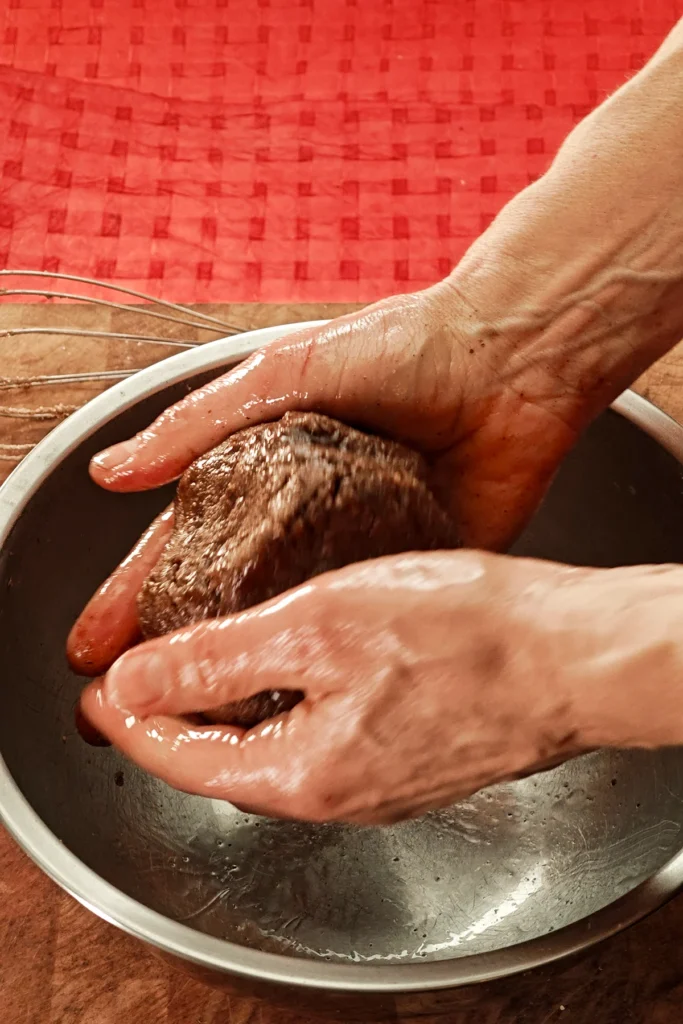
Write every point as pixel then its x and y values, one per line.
pixel 244 150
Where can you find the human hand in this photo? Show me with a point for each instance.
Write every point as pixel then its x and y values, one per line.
pixel 426 677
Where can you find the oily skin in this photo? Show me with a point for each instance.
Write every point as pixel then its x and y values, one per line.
pixel 369 683
pixel 431 676
pixel 427 676
pixel 403 368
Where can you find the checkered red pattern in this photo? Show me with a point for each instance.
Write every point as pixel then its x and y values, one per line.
pixel 280 150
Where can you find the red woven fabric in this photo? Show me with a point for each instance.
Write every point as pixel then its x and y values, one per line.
pixel 288 149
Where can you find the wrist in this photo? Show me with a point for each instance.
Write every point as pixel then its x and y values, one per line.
pixel 616 642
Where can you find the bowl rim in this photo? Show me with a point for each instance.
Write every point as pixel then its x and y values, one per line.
pixel 179 940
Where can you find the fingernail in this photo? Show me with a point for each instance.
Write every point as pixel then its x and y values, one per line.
pixel 116 456
pixel 136 681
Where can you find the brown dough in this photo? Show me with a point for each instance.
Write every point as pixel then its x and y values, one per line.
pixel 275 505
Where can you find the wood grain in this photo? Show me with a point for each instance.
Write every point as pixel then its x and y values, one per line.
pixel 59 964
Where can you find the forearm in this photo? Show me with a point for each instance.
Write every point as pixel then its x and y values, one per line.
pixel 582 273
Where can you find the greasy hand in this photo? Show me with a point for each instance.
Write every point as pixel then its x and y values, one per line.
pixel 409 368
pixel 423 369
pixel 426 677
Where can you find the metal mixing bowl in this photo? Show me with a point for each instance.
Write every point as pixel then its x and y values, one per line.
pixel 516 876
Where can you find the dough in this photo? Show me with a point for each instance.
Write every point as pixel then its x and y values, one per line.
pixel 275 505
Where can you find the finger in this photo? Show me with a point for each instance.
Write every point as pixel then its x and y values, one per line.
pixel 272 647
pixel 339 370
pixel 109 623
pixel 87 731
pixel 260 770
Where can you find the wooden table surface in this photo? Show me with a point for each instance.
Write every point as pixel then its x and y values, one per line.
pixel 59 964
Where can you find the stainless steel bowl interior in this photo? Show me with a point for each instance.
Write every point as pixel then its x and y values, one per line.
pixel 427 904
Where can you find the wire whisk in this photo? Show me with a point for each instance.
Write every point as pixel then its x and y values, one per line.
pixel 161 314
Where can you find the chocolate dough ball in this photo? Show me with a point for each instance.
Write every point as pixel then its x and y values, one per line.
pixel 275 505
